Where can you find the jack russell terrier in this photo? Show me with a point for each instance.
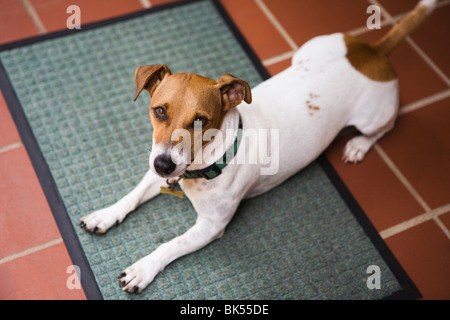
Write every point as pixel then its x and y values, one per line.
pixel 334 81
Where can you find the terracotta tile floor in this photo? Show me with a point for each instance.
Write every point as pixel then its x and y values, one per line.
pixel 403 185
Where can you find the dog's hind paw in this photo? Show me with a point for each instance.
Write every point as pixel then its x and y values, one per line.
pixel 355 150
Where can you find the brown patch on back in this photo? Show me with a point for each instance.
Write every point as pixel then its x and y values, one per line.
pixel 367 60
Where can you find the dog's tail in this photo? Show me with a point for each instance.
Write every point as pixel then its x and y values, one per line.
pixel 399 32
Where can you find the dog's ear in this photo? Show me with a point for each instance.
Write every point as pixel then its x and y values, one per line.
pixel 149 77
pixel 233 91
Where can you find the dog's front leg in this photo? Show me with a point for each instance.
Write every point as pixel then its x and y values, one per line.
pixel 100 221
pixel 135 278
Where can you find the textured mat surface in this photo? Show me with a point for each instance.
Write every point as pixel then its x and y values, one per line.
pixel 299 241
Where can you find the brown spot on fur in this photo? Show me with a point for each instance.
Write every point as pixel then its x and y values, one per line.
pixel 367 60
pixel 315 108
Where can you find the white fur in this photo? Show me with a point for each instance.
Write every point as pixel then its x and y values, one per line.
pixel 309 103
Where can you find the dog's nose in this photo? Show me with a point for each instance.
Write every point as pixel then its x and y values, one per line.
pixel 164 164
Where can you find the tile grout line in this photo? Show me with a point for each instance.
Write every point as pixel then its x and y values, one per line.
pixel 442 226
pixel 145 3
pixel 428 60
pixel 401 177
pixel 34 16
pixel 11 146
pixel 31 250
pixel 276 24
pixel 289 54
pixel 429 214
pixel 425 102
pixel 278 58
pixel 408 224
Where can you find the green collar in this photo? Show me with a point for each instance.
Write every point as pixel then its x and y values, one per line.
pixel 215 169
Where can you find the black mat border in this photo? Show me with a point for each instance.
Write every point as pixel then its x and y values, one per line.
pixel 59 210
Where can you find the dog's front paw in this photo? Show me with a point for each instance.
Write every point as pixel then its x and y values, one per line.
pixel 138 276
pixel 99 221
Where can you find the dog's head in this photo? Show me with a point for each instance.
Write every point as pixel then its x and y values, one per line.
pixel 180 103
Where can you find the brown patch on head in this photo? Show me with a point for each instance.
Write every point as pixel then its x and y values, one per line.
pixel 367 60
pixel 185 98
pixel 178 100
pixel 188 97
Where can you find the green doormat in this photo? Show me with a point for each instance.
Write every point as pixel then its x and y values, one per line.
pixel 71 95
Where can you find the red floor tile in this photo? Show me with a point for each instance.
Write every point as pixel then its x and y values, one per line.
pixel 160 2
pixel 420 147
pixel 256 28
pixel 309 18
pixel 15 24
pixel 424 253
pixel 433 38
pixel 39 276
pixel 8 131
pixel 418 82
pixel 54 16
pixel 279 66
pixel 378 191
pixel 25 219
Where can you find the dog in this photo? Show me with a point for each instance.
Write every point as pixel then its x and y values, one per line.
pixel 334 81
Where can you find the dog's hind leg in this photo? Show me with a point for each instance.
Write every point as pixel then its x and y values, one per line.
pixel 357 147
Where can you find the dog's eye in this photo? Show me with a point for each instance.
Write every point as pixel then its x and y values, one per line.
pixel 202 121
pixel 159 113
